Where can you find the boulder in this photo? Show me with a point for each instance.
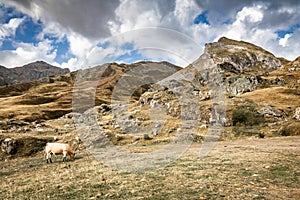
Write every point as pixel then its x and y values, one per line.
pixel 241 84
pixel 9 146
pixel 297 114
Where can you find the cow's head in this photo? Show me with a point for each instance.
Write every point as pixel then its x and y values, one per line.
pixel 72 155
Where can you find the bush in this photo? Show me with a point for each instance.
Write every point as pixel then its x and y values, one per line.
pixel 243 116
pixel 290 129
pixel 261 135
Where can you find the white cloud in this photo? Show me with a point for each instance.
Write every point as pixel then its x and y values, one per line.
pixel 185 11
pixel 283 41
pixel 9 29
pixel 134 14
pixel 71 64
pixel 84 24
pixel 250 14
pixel 79 45
pixel 153 33
pixel 245 24
pixel 54 29
pixel 290 49
pixel 26 53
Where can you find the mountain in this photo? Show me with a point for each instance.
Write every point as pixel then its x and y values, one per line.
pixel 30 72
pixel 51 97
pixel 236 85
pixel 242 57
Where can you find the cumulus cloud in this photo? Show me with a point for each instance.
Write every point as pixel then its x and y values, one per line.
pixel 156 43
pixel 150 27
pixel 245 23
pixel 158 31
pixel 250 25
pixel 26 53
pixel 86 18
pixel 9 29
pixel 283 41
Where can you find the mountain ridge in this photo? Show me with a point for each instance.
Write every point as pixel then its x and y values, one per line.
pixel 29 72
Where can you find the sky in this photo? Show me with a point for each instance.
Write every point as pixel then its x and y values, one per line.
pixel 75 34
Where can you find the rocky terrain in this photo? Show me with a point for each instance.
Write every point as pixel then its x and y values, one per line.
pixel 237 85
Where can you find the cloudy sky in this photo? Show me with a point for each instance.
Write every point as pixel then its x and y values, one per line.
pixel 77 33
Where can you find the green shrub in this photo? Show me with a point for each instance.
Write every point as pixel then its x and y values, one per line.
pixel 243 116
pixel 261 135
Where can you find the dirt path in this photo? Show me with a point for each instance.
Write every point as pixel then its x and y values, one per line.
pixel 243 169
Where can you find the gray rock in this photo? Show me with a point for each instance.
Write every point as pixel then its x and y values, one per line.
pixel 147 137
pixel 188 137
pixel 9 146
pixel 238 56
pixel 269 111
pixel 297 114
pixel 236 85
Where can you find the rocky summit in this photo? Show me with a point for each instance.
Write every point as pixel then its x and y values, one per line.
pixel 242 57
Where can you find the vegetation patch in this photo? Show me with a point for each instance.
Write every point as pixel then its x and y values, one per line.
pixel 290 129
pixel 247 117
pixel 26 146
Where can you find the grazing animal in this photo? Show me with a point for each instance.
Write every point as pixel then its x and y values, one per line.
pixel 58 148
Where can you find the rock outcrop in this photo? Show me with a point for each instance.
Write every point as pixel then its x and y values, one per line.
pixel 240 57
pixel 297 114
pixel 9 146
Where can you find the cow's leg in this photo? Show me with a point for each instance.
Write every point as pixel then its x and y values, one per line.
pixel 47 157
pixel 50 157
pixel 64 156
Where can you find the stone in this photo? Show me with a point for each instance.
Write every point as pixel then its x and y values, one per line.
pixel 147 137
pixel 297 114
pixel 9 146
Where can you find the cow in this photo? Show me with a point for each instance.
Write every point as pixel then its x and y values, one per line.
pixel 58 148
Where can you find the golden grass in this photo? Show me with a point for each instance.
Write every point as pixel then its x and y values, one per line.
pixel 242 169
pixel 276 96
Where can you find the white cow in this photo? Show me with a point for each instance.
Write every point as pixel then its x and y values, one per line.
pixel 58 148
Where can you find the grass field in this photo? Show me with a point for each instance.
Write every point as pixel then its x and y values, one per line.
pixel 248 168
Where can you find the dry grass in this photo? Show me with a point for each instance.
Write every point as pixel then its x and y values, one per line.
pixel 37 101
pixel 276 96
pixel 242 169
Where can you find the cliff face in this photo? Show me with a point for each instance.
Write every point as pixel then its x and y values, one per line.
pixel 29 72
pixel 241 57
pixel 245 66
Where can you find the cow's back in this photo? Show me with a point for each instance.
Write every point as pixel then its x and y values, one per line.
pixel 56 148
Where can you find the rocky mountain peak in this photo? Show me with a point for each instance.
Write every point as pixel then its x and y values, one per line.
pixel 240 57
pixel 29 72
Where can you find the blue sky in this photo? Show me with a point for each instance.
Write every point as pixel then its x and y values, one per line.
pixel 65 33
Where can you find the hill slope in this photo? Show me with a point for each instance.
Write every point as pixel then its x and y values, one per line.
pixel 51 97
